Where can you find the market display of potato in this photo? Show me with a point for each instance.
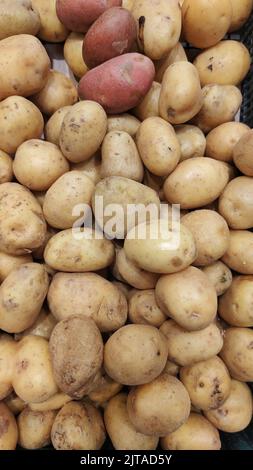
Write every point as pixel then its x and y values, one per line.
pixel 126 219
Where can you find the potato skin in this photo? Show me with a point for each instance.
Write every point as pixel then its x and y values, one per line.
pixel 220 276
pixel 9 434
pixel 18 17
pixel 149 106
pixel 192 141
pixel 43 326
pixel 235 304
pixel 51 29
pixel 126 270
pixel 120 83
pixel 104 390
pixel 91 167
pixel 123 122
pixel 239 256
pixel 242 154
pixel 73 54
pixel 235 203
pixel 177 54
pixel 240 13
pixel 221 141
pixel 6 172
pixel 35 428
pixel 10 262
pixel 53 126
pixel 237 353
pixel 143 308
pixel 7 356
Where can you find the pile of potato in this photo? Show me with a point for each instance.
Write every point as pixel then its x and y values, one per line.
pixel 119 337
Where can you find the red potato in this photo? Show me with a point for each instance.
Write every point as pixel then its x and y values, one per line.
pixel 78 15
pixel 120 83
pixel 113 34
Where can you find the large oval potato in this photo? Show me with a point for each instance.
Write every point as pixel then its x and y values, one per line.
pixel 53 126
pixel 18 17
pixel 6 170
pixel 73 54
pixel 9 429
pixel 143 308
pixel 236 203
pixel 237 353
pixel 7 357
pixel 220 276
pixel 239 256
pixel 34 428
pixel 123 122
pixel 221 141
pixel 235 305
pixel 192 141
pixel 10 262
pixel 51 29
pixel 149 106
pixel 242 154
pixel 177 54
pixel 126 271
pixel 240 13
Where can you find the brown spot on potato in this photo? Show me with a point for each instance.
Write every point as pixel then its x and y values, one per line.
pixel 171 112
pixel 210 67
pixel 4 425
pixel 176 262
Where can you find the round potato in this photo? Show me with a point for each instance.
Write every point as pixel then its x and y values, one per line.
pixel 176 54
pixel 53 125
pixel 237 353
pixel 6 171
pixel 10 262
pixel 105 389
pixel 126 270
pixel 43 326
pixel 192 141
pixel 235 305
pixel 221 141
pixel 123 122
pixel 149 106
pixel 219 275
pixel 242 154
pixel 34 428
pixel 51 29
pixel 91 167
pixel 73 54
pixel 143 308
pixel 239 256
pixel 7 356
pixel 18 17
pixel 236 205
pixel 9 430
pixel 240 13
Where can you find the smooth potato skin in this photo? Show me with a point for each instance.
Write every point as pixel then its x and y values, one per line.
pixel 192 141
pixel 242 154
pixel 126 270
pixel 6 171
pixel 10 262
pixel 237 353
pixel 35 428
pixel 9 430
pixel 7 357
pixel 240 13
pixel 143 308
pixel 123 122
pixel 73 54
pixel 235 203
pixel 177 54
pixel 220 276
pixel 149 106
pixel 239 253
pixel 221 141
pixel 235 304
pixel 18 17
pixel 51 29
pixel 53 126
pixel 119 84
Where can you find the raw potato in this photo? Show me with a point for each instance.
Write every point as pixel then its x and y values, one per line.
pixel 59 91
pixel 196 182
pixel 188 297
pixel 10 262
pixel 239 256
pixel 188 347
pixel 106 389
pixel 34 428
pixel 116 417
pixel 237 353
pixel 18 17
pixel 38 164
pixel 53 125
pixel 90 295
pixel 242 154
pixel 143 308
pixel 159 26
pixel 181 97
pixel 38 254
pixel 91 167
pixel 219 275
pixel 43 326
pixel 158 146
pixel 6 172
pixel 33 379
pixel 85 122
pixel 171 369
pixel 227 63
pixel 221 141
pixel 220 104
pixel 236 412
pixel 177 54
pixel 208 383
pixel 240 13
pixel 236 203
pixel 123 122
pixel 128 4
pixel 76 348
pixel 120 157
pixel 55 402
pixel 78 426
pixel 149 107
pixel 235 305
pixel 71 189
pixel 73 54
pixel 22 120
pixel 211 234
pixel 197 433
pixel 192 141
pixel 9 430
pixel 15 404
pixel 51 29
pixel 7 356
pixel 86 251
pixel 166 399
pixel 127 271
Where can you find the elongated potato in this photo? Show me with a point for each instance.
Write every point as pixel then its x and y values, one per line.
pixel 35 428
pixel 143 308
pixel 235 203
pixel 10 262
pixel 192 141
pixel 149 106
pixel 235 304
pixel 9 430
pixel 221 141
pixel 177 54
pixel 7 357
pixel 123 122
pixel 6 172
pixel 126 270
pixel 220 276
pixel 51 29
pixel 239 255
pixel 242 154
pixel 18 17
pixel 237 353
pixel 73 54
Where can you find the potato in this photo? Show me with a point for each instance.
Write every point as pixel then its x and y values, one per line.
pixel 128 4
pixel 149 106
pixel 240 13
pixel 7 355
pixel 235 304
pixel 177 54
pixel 34 428
pixel 158 146
pixel 51 29
pixel 18 17
pixel 222 140
pixel 143 309
pixel 53 125
pixel 116 417
pixel 90 295
pixel 10 262
pixel 237 353
pixel 78 426
pixel 120 157
pixel 179 100
pixel 73 54
pixel 79 15
pixel 226 63
pixel 105 389
pixel 86 120
pixel 239 256
pixel 208 383
pixel 220 105
pixel 242 154
pixel 87 251
pixel 118 84
pixel 123 122
pixel 124 288
pixel 195 434
pixel 43 326
pixel 6 172
pixel 211 234
pixel 236 412
pixel 127 271
pixel 21 119
pixel 196 182
pixel 235 203
pixel 14 403
pixel 188 297
pixel 155 248
pixel 9 430
pixel 171 368
pixel 59 91
pixel 219 275
pixel 188 347
pixel 91 167
pixel 55 402
pixel 38 254
pixel 192 141
pixel 166 399
pixel 159 26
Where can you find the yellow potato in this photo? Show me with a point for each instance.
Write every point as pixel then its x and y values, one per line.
pixel 91 167
pixel 10 262
pixel 53 125
pixel 149 106
pixel 15 404
pixel 123 122
pixel 105 389
pixel 6 171
pixel 239 256
pixel 236 204
pixel 177 54
pixel 51 29
pixel 143 308
pixel 192 141
pixel 240 13
pixel 128 4
pixel 171 369
pixel 126 271
pixel 18 17
pixel 242 154
pixel 221 141
pixel 34 428
pixel 73 54
pixel 7 356
pixel 219 275
pixel 237 353
pixel 43 326
pixel 9 430
pixel 56 402
pixel 235 304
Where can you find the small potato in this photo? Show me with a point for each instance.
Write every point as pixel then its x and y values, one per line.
pixel 236 203
pixel 188 297
pixel 242 154
pixel 236 412
pixel 149 107
pixel 189 347
pixel 22 294
pixel 196 182
pixel 116 417
pixel 86 121
pixel 221 141
pixel 166 399
pixel 10 262
pixel 59 91
pixel 195 434
pixel 237 353
pixel 18 17
pixel 181 97
pixel 240 13
pixel 239 256
pixel 51 29
pixel 211 234
pixel 14 403
pixel 34 428
pixel 192 141
pixel 123 122
pixel 219 275
pixel 88 251
pixel 6 172
pixel 43 326
pixel 38 164
pixel 7 356
pixel 73 54
pixel 71 189
pixel 91 167
pixel 235 305
pixel 143 309
pixel 53 125
pixel 22 120
pixel 226 63
pixel 177 54
pixel 158 146
pixel 105 390
pixel 78 426
pixel 127 271
pixel 9 430
pixel 141 352
pixel 220 105
pixel 120 157
pixel 56 402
